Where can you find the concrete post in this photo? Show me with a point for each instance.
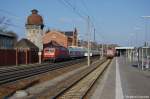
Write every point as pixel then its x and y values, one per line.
pixel 102 52
pixel 16 56
pixel 142 60
pixel 40 54
pixel 26 52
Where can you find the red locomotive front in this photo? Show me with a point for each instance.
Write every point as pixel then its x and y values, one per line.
pixel 49 54
pixel 53 54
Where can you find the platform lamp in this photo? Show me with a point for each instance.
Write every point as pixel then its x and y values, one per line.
pixel 146 43
pixel 88 36
pixel 146 28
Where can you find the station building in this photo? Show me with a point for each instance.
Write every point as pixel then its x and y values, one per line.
pixel 63 38
pixel 7 40
pixel 128 51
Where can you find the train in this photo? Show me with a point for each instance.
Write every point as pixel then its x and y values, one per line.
pixel 60 53
pixel 76 52
pixel 110 53
pixel 53 52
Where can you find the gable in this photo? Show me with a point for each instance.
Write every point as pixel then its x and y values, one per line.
pixel 25 43
pixel 55 36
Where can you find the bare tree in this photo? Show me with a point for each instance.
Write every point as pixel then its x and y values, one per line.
pixel 4 23
pixel 14 35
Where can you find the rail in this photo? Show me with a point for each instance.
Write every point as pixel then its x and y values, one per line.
pixel 80 88
pixel 12 74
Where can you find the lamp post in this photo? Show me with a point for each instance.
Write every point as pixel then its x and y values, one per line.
pixel 102 51
pixel 136 29
pixel 136 42
pixel 94 35
pixel 146 27
pixel 146 43
pixel 88 34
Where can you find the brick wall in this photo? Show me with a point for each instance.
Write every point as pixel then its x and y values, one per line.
pixel 56 36
pixel 7 57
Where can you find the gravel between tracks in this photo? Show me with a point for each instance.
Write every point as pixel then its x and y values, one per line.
pixel 8 89
pixel 55 86
pixel 80 89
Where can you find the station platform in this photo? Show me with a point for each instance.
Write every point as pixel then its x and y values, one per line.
pixel 123 80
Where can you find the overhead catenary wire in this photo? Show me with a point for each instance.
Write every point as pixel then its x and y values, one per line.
pixel 82 15
pixel 11 14
pixel 77 11
pixel 92 20
pixel 69 5
pixel 88 26
pixel 14 17
pixel 88 13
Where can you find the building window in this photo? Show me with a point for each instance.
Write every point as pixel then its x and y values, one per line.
pixel 4 43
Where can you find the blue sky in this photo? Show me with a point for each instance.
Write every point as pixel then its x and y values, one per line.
pixel 116 21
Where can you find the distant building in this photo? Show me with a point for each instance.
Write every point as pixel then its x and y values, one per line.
pixel 66 38
pixel 7 40
pixel 83 43
pixel 93 45
pixel 34 28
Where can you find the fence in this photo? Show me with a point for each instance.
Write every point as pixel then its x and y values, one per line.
pixel 18 56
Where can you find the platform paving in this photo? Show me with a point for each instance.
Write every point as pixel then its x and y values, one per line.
pixel 122 80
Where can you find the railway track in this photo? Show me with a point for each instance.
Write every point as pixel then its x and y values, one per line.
pixel 80 88
pixel 17 68
pixel 12 74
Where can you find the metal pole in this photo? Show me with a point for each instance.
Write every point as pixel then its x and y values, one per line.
pixel 136 39
pixel 146 31
pixel 146 43
pixel 102 51
pixel 88 34
pixel 139 52
pixel 146 27
pixel 142 59
pixel 133 55
pixel 94 35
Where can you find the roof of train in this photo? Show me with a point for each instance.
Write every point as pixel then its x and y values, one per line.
pixel 75 48
pixel 124 47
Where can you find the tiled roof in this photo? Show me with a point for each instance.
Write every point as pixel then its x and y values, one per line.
pixel 25 43
pixel 52 44
pixel 6 34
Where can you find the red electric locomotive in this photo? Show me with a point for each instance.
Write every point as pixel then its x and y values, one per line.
pixel 55 52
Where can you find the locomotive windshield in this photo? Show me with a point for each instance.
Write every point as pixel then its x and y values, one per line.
pixel 49 50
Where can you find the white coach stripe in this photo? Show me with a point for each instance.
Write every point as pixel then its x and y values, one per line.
pixel 119 93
